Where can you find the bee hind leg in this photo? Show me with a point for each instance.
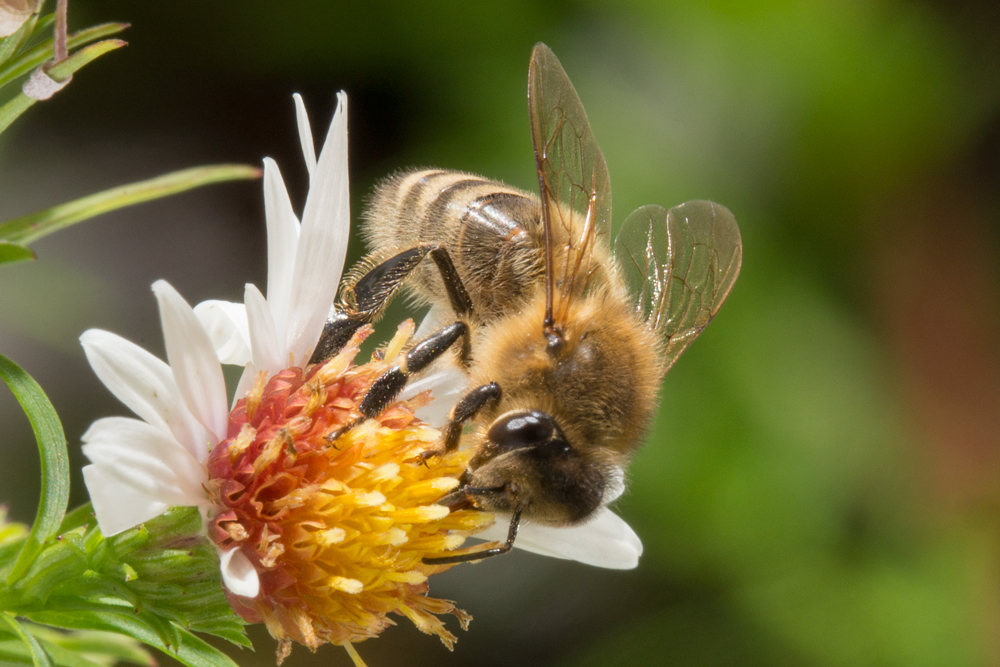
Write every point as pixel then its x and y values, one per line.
pixel 515 523
pixel 376 288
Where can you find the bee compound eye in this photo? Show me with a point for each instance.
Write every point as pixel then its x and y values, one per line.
pixel 523 429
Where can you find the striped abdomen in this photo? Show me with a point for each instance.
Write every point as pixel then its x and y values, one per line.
pixel 492 231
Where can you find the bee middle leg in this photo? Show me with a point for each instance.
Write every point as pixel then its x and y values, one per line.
pixel 390 384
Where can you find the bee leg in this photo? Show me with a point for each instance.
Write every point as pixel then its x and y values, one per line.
pixel 464 410
pixel 388 386
pixel 515 523
pixel 375 290
pixel 336 334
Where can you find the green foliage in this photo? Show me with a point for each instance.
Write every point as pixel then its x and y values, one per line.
pixel 29 49
pixel 157 583
pixel 55 463
pixel 14 252
pixel 26 55
pixel 58 72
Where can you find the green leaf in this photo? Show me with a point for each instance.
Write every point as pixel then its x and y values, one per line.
pixel 43 51
pixel 13 651
pixel 190 651
pixel 62 657
pixel 81 516
pixel 38 655
pixel 55 462
pixel 14 252
pixel 33 226
pixel 103 648
pixel 76 648
pixel 10 44
pixel 21 103
pixel 58 565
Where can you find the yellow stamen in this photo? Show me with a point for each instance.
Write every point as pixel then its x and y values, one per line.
pixel 338 531
pixel 358 662
pixel 256 393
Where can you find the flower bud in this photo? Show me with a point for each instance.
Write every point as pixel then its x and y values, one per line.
pixel 13 14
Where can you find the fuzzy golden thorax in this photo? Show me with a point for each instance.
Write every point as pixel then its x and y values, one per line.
pixel 599 386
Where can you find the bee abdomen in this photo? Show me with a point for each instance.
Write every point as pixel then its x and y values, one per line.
pixel 492 231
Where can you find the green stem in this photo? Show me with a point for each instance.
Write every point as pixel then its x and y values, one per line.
pixel 29 228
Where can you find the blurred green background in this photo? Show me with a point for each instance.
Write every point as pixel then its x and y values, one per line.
pixel 820 487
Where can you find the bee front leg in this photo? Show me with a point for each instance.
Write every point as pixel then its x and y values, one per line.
pixel 464 410
pixel 515 523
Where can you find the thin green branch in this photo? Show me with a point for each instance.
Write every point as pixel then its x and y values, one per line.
pixel 44 51
pixel 31 227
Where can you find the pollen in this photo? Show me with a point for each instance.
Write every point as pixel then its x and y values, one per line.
pixel 337 529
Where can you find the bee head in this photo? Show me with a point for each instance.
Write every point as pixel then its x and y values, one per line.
pixel 526 460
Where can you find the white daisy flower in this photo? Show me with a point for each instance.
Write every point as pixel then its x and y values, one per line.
pixel 140 468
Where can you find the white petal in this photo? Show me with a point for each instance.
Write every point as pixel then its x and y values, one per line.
pixel 305 134
pixel 246 383
pixel 615 486
pixel 447 383
pixel 193 362
pixel 440 315
pixel 145 461
pixel 145 385
pixel 322 244
pixel 604 541
pixel 238 574
pixel 267 355
pixel 282 241
pixel 226 324
pixel 13 16
pixel 117 509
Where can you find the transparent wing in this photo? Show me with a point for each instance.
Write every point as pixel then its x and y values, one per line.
pixel 573 180
pixel 679 266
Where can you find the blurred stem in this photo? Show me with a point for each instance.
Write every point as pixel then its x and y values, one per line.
pixel 60 52
pixel 28 228
pixel 59 72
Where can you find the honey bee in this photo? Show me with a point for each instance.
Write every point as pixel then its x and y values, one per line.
pixel 563 339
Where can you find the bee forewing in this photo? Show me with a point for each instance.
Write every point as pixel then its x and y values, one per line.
pixel 680 266
pixel 573 180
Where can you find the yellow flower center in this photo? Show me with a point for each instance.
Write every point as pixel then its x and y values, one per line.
pixel 337 530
